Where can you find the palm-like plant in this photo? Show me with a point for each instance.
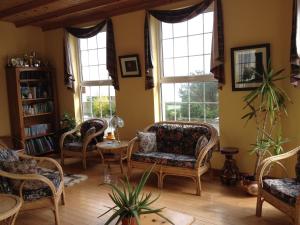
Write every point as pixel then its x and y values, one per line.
pixel 266 104
pixel 130 203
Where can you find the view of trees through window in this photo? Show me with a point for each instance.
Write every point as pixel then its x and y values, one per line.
pixel 188 90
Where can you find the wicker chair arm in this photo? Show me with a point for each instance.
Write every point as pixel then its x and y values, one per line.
pixel 46 159
pixel 130 147
pixel 29 177
pixel 275 159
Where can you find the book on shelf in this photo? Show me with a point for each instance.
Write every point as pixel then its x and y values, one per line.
pixel 34 75
pixel 37 129
pixel 38 108
pixel 34 92
pixel 40 145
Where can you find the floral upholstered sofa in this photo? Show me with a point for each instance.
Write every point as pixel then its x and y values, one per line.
pixel 176 148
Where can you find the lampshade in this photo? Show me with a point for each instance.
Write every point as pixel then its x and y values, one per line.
pixel 116 122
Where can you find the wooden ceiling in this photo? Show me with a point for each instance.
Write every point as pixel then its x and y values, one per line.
pixel 52 14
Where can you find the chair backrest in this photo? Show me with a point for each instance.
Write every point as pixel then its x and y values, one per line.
pixel 98 124
pixel 179 137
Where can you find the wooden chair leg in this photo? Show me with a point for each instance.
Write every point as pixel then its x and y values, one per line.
pixel 159 184
pixel 56 212
pixel 259 203
pixel 121 166
pixel 198 186
pixel 63 197
pixel 297 214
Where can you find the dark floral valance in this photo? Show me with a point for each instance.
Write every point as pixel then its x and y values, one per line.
pixel 180 15
pixel 295 45
pixel 111 63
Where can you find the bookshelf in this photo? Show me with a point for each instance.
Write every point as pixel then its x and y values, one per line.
pixel 34 116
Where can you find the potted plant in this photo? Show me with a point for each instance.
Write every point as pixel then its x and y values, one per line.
pixel 130 203
pixel 266 105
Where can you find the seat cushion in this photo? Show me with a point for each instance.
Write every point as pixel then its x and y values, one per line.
pixel 168 159
pixel 39 189
pixel 178 138
pixel 77 146
pixel 285 189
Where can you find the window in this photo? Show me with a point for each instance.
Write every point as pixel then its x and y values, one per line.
pixel 97 93
pixel 188 89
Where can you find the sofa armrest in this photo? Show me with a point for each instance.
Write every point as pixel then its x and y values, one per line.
pixel 131 144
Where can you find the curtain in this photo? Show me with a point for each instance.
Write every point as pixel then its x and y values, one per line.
pixel 111 63
pixel 176 16
pixel 295 42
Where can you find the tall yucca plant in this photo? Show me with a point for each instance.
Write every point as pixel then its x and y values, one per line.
pixel 266 105
pixel 130 202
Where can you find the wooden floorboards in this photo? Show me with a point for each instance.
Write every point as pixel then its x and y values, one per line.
pixel 218 205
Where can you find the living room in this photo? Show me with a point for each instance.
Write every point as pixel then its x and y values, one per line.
pixel 42 29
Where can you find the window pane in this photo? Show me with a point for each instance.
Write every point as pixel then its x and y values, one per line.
pixel 85 73
pixel 197 92
pixel 197 111
pixel 167 30
pixel 196 25
pixel 84 58
pixel 211 92
pixel 168 48
pixel 211 111
pixel 196 65
pixel 101 40
pixel 180 47
pixel 180 29
pixel 207 43
pixel 208 22
pixel 182 111
pixel 102 56
pixel 182 92
pixel 207 64
pixel 103 72
pixel 168 67
pixel 94 73
pixel 168 92
pixel 196 45
pixel 92 43
pixel 83 44
pixel 167 99
pixel 181 66
pixel 93 58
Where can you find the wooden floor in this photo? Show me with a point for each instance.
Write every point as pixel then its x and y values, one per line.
pixel 218 205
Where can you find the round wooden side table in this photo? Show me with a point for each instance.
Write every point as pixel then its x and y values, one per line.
pixel 112 151
pixel 9 208
pixel 230 172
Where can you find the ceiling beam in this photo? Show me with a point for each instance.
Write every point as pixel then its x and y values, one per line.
pixel 24 7
pixel 106 13
pixel 65 11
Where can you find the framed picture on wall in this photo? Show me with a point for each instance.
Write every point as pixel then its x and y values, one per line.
pixel 247 66
pixel 130 66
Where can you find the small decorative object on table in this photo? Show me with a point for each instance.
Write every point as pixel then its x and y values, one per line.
pixel 130 203
pixel 130 66
pixel 230 172
pixel 117 122
pixel 9 208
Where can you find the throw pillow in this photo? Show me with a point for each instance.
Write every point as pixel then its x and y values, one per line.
pixel 201 143
pixel 147 141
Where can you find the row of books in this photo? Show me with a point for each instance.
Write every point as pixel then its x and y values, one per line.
pixel 37 129
pixel 39 146
pixel 28 92
pixel 45 107
pixel 25 75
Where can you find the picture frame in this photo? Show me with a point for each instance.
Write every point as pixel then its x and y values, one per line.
pixel 130 66
pixel 247 63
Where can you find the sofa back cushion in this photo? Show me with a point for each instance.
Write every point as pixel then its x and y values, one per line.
pixel 89 125
pixel 178 138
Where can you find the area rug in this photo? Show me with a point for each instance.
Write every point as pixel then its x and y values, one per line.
pixel 71 179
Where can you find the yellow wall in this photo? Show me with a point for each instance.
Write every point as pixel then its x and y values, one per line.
pixel 245 23
pixel 15 42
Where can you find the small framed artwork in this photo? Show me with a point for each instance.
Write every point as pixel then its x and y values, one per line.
pixel 130 66
pixel 247 66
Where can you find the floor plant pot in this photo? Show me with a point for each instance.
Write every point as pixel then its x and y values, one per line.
pixel 129 221
pixel 250 185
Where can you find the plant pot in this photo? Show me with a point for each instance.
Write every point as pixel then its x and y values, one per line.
pixel 129 221
pixel 250 185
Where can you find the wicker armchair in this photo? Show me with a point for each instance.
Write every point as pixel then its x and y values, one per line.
pixel 50 179
pixel 176 149
pixel 282 193
pixel 86 145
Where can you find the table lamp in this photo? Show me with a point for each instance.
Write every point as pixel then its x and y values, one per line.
pixel 117 122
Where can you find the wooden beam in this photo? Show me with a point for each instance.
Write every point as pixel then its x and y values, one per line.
pixel 24 7
pixel 106 13
pixel 65 11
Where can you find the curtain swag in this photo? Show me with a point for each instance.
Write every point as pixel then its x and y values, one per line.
pixel 176 16
pixel 295 38
pixel 111 63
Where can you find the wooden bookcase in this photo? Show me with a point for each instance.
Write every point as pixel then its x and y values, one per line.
pixel 34 115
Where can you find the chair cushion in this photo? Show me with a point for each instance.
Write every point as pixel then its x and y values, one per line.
pixel 147 141
pixel 39 189
pixel 285 189
pixel 97 124
pixel 163 158
pixel 77 146
pixel 178 138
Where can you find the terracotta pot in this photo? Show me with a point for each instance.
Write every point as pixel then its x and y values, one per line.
pixel 250 185
pixel 129 221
